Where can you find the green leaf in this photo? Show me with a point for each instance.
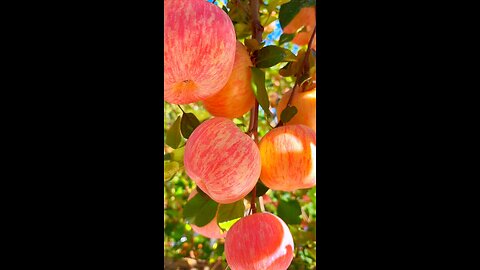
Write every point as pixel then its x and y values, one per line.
pixel 289 211
pixel 177 154
pixel 290 9
pixel 170 169
pixel 288 113
pixel 269 56
pixel 174 138
pixel 188 124
pixel 200 210
pixel 242 30
pixel 228 214
pixel 285 38
pixel 258 86
pixel 273 4
pixel 289 56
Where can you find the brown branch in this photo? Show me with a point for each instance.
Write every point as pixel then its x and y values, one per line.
pixel 252 202
pixel 304 70
pixel 257 31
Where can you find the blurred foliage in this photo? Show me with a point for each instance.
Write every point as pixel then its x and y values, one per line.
pixel 298 208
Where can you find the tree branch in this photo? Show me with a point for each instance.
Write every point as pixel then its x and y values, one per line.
pixel 257 31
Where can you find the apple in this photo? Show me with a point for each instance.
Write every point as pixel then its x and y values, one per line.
pixel 223 161
pixel 261 241
pixel 199 50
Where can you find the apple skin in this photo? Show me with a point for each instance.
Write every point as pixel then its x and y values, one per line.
pixel 222 160
pixel 306 104
pixel 288 158
pixel 261 241
pixel 199 50
pixel 305 17
pixel 236 98
pixel 211 230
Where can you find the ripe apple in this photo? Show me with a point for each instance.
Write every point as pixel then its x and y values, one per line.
pixel 261 241
pixel 288 158
pixel 199 50
pixel 236 98
pixel 306 104
pixel 222 160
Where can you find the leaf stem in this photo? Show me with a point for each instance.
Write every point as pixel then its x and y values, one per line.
pixel 181 108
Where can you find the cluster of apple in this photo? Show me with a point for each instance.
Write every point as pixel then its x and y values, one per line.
pixel 204 62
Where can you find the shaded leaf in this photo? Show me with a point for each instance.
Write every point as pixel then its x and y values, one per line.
pixel 261 189
pixel 200 210
pixel 258 86
pixel 170 169
pixel 291 69
pixel 188 124
pixel 228 214
pixel 288 113
pixel 174 138
pixel 289 211
pixel 285 38
pixel 224 8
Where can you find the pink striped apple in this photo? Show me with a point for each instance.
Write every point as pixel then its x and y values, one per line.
pixel 222 160
pixel 211 230
pixel 288 158
pixel 199 50
pixel 261 241
pixel 236 98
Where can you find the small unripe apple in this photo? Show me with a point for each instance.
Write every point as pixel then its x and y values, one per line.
pixel 236 98
pixel 261 241
pixel 211 230
pixel 199 50
pixel 222 160
pixel 306 104
pixel 288 158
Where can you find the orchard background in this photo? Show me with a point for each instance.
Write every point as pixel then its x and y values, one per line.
pixel 284 68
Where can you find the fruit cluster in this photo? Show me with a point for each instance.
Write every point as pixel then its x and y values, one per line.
pixel 205 63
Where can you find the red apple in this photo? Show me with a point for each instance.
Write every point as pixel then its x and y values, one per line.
pixel 199 50
pixel 261 241
pixel 222 160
